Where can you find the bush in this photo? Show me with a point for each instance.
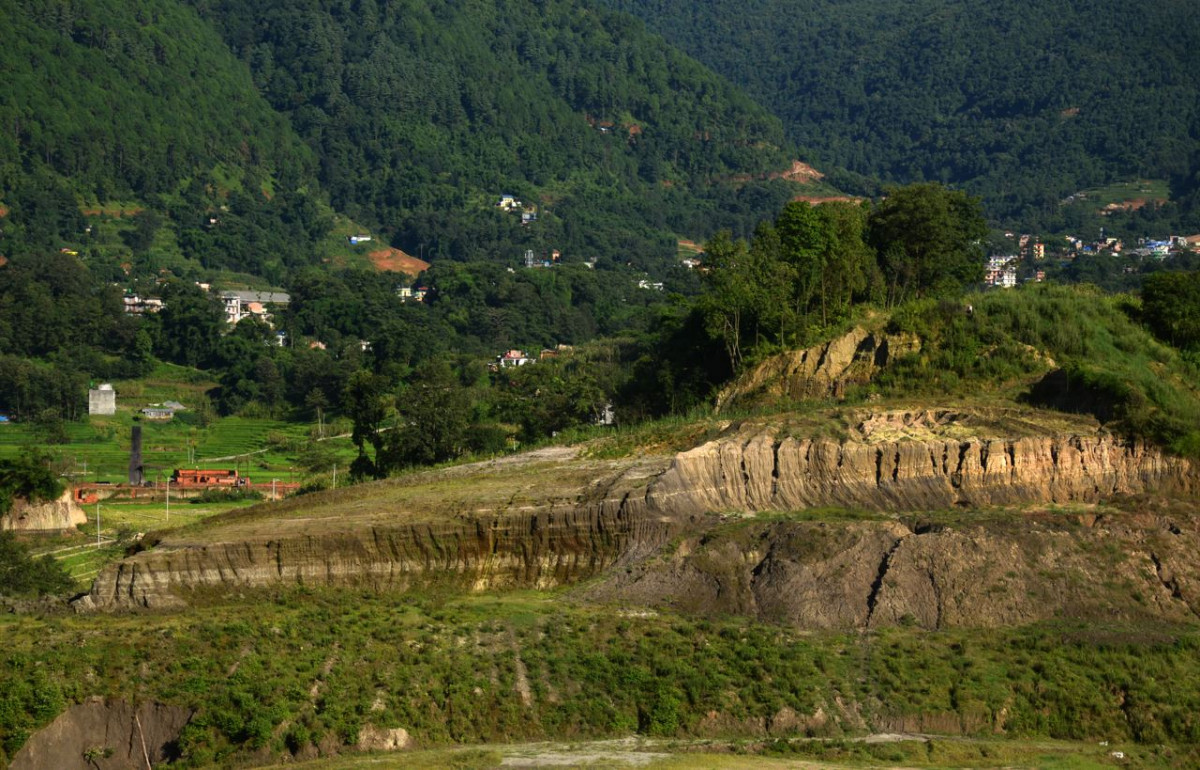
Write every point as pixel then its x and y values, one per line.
pixel 227 495
pixel 23 576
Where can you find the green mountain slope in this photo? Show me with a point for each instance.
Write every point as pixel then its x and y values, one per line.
pixel 1022 102
pixel 423 113
pixel 129 99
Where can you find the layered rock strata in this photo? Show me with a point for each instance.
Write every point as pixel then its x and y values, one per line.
pixel 540 550
pixel 762 472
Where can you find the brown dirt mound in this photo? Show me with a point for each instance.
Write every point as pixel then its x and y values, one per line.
pixel 397 261
pixel 802 172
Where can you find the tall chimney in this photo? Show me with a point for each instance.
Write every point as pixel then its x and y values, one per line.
pixel 136 477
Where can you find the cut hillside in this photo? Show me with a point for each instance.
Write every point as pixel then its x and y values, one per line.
pixel 396 261
pixel 1074 349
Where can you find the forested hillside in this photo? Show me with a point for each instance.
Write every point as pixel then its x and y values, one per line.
pixel 424 112
pixel 412 119
pixel 1023 103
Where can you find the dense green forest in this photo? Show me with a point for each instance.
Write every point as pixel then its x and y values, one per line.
pixel 1023 103
pixel 141 103
pixel 422 113
pixel 410 119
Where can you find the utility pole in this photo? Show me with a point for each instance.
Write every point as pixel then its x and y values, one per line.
pixel 97 523
pixel 168 500
pixel 335 476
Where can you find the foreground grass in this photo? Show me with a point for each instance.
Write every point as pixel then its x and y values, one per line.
pixel 797 754
pixel 285 672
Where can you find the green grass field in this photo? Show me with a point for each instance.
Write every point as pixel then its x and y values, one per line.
pixel 98 448
pixel 1122 192
pixel 891 752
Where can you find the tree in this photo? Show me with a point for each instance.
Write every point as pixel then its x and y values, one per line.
pixel 436 411
pixel 1171 307
pixel 190 325
pixel 729 301
pixel 367 403
pixel 927 238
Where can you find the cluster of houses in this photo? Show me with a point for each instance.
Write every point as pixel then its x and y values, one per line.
pixel 515 357
pixel 551 259
pixel 238 304
pixel 510 203
pixel 1002 270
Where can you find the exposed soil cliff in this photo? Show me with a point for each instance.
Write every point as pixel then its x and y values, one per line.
pixel 54 516
pixel 541 550
pixel 820 371
pixel 891 462
pixel 104 735
pixel 933 573
pixel 918 464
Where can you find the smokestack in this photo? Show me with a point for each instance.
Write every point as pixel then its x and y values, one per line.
pixel 136 477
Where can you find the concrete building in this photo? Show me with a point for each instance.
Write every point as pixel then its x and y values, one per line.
pixel 102 400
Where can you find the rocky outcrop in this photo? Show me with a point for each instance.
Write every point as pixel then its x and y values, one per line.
pixel 53 516
pixel 761 471
pixel 934 574
pixel 821 371
pixel 104 735
pixel 539 550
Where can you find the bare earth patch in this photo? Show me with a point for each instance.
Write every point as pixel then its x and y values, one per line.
pixel 396 261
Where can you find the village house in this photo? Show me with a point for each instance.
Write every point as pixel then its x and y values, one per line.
pixel 135 305
pixel 1001 271
pixel 511 358
pixel 243 304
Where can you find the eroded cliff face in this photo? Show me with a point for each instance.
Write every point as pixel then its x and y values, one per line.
pixel 821 371
pixel 1005 571
pixel 762 471
pixel 53 516
pixel 540 550
pixel 99 734
pixel 891 462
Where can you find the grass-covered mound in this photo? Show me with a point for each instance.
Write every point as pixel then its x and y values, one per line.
pixel 1070 348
